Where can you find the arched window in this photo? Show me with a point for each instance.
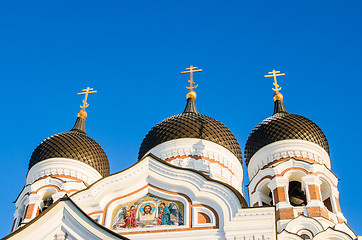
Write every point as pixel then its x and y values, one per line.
pixel 47 203
pixel 20 220
pixel 22 211
pixel 304 236
pixel 326 195
pixel 266 196
pixel 296 194
pixel 47 200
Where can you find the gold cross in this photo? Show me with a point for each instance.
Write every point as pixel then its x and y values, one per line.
pixel 275 74
pixel 86 92
pixel 191 71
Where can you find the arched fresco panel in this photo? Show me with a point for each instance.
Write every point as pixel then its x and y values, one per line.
pixel 147 212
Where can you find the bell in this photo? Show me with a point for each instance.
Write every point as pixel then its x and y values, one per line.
pixel 47 203
pixel 296 194
pixel 296 201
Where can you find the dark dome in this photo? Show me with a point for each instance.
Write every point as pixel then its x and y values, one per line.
pixel 190 124
pixel 281 126
pixel 74 144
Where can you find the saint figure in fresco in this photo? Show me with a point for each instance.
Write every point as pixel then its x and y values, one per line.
pixel 164 217
pixel 147 214
pixel 147 210
pixel 129 218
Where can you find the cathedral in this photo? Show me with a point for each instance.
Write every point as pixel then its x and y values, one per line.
pixel 187 183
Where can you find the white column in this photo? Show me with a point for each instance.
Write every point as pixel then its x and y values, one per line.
pixel 278 182
pixel 312 180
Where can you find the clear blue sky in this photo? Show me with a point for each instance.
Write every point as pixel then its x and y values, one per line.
pixel 132 52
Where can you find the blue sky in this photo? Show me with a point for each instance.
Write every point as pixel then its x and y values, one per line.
pixel 132 53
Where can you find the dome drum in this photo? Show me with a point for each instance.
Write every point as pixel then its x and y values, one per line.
pixel 63 168
pixel 286 149
pixel 208 157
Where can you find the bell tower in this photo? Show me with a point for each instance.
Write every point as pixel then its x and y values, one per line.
pixel 289 167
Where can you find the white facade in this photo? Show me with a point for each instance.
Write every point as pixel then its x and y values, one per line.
pixel 204 156
pixel 186 189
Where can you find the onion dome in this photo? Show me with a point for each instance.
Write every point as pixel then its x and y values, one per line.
pixel 74 144
pixel 190 124
pixel 283 125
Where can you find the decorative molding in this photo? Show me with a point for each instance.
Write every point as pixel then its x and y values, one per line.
pixel 63 166
pixel 161 175
pixel 285 149
pixel 332 234
pixel 303 222
pixel 290 166
pixel 232 172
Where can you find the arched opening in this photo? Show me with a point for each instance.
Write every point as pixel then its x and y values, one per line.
pixel 20 220
pixel 266 196
pixel 47 201
pixel 326 193
pixel 296 194
pixel 305 236
pixel 21 215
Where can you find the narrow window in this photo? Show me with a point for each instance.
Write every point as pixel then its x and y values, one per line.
pixel 326 195
pixel 328 204
pixel 20 220
pixel 266 196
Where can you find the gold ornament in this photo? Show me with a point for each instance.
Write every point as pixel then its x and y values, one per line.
pixel 278 96
pixel 191 94
pixel 82 113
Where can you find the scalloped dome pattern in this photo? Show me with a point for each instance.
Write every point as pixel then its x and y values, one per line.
pixel 282 126
pixel 190 125
pixel 74 145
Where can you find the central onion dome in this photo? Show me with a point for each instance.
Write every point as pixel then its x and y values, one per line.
pixel 74 144
pixel 190 124
pixel 282 126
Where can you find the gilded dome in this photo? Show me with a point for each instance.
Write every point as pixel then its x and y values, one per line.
pixel 74 144
pixel 190 124
pixel 282 126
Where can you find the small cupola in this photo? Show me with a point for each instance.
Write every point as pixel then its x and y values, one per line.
pixel 190 124
pixel 196 141
pixel 283 125
pixel 74 144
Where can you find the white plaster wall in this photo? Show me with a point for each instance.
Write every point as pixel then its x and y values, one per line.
pixel 284 149
pixel 63 166
pixel 227 167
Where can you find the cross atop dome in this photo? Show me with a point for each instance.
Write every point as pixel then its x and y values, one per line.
pixel 88 90
pixel 275 74
pixel 191 70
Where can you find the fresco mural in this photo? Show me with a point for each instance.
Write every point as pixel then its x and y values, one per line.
pixel 147 212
